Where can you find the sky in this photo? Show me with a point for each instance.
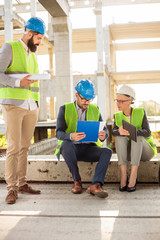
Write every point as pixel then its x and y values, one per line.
pixel 86 63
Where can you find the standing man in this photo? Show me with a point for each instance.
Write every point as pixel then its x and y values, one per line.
pixel 19 99
pixel 72 150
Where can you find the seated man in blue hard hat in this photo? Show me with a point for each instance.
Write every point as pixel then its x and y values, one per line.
pixel 19 99
pixel 72 150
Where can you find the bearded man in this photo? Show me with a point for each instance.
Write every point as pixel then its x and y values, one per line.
pixel 19 99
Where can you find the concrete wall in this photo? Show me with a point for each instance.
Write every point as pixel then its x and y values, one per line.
pixel 47 168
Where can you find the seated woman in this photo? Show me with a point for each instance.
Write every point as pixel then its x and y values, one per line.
pixel 142 150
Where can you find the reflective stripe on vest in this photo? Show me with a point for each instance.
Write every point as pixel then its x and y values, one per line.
pixel 71 118
pixel 137 120
pixel 22 63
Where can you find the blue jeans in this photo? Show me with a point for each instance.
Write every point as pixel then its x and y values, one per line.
pixel 87 153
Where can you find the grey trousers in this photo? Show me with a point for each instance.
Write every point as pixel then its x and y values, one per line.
pixel 133 151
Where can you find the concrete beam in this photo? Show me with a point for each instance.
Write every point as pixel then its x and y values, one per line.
pixel 140 77
pixel 56 8
pixel 137 46
pixel 20 21
pixel 25 7
pixel 91 3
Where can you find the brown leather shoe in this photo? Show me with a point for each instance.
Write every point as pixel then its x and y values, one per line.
pixel 11 197
pixel 77 187
pixel 97 190
pixel 28 189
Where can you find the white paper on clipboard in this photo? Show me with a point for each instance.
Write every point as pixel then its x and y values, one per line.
pixel 102 125
pixel 32 77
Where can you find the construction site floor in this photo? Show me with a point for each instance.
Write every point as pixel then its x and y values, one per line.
pixel 57 214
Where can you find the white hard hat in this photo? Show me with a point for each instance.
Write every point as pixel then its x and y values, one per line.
pixel 126 90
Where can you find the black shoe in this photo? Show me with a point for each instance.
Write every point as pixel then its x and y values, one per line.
pixel 131 189
pixel 122 189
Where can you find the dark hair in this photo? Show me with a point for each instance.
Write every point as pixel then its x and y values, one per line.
pixel 34 33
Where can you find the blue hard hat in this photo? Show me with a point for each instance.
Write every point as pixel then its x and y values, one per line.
pixel 86 89
pixel 36 24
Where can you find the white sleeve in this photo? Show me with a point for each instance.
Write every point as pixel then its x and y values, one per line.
pixel 17 83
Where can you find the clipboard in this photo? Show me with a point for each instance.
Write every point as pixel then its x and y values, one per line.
pixel 131 129
pixel 91 130
pixel 32 77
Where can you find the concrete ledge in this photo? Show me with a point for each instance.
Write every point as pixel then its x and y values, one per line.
pixel 47 168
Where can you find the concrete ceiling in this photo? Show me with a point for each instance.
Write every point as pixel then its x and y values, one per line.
pixel 84 40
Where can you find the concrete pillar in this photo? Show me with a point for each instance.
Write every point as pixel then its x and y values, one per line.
pixel 8 25
pixel 63 56
pixel 107 48
pixel 43 103
pixel 33 7
pixel 113 96
pixel 108 98
pixel 112 57
pixel 101 83
pixel 108 79
pixel 52 100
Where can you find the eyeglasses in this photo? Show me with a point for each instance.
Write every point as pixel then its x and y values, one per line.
pixel 84 99
pixel 121 101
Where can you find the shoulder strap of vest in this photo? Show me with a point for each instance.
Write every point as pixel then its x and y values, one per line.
pixel 15 44
pixel 119 116
pixel 71 117
pixel 92 113
pixel 137 117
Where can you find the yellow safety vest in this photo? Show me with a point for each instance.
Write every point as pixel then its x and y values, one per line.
pixel 71 118
pixel 22 63
pixel 136 119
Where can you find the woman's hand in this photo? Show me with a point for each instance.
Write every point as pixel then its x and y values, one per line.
pixel 122 131
pixel 101 135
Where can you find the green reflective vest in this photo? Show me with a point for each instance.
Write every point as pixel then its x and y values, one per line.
pixel 22 63
pixel 136 119
pixel 71 118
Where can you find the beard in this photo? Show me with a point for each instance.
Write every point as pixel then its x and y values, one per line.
pixel 32 47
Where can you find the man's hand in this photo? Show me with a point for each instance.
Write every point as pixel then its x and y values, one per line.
pixel 78 136
pixel 122 131
pixel 101 135
pixel 25 82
